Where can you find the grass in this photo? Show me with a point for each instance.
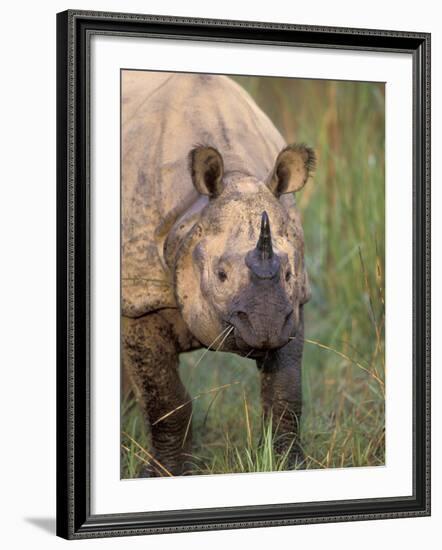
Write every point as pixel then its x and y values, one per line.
pixel 343 421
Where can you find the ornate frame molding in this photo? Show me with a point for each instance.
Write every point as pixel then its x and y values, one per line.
pixel 74 29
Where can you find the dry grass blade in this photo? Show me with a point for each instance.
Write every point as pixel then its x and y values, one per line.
pixel 231 328
pixel 249 428
pixel 347 358
pixel 320 464
pixel 189 423
pixel 153 459
pixel 206 416
pixel 224 386
pixel 220 335
pixel 140 457
pixel 368 289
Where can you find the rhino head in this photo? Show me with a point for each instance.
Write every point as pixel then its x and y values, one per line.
pixel 239 266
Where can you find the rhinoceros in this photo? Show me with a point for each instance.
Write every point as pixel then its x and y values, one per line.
pixel 212 250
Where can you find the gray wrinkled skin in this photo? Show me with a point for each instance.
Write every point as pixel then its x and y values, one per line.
pixel 212 249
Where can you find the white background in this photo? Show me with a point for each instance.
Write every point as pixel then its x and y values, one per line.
pixel 27 219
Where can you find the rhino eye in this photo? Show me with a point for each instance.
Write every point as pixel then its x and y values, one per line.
pixel 288 275
pixel 222 275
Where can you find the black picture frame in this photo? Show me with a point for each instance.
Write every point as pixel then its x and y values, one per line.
pixel 74 518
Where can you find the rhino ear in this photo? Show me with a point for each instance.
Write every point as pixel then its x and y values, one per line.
pixel 293 167
pixel 207 170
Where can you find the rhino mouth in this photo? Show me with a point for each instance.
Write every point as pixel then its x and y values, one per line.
pixel 255 339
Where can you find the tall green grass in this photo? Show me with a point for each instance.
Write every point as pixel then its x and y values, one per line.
pixel 343 420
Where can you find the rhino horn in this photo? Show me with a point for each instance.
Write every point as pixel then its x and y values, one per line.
pixel 262 261
pixel 264 244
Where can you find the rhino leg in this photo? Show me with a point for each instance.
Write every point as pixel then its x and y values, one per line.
pixel 151 345
pixel 281 395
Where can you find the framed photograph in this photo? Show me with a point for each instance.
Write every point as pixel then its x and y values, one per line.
pixel 243 274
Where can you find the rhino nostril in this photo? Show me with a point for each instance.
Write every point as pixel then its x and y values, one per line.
pixel 241 321
pixel 242 316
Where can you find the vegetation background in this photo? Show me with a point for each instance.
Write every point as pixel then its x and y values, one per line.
pixel 342 209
